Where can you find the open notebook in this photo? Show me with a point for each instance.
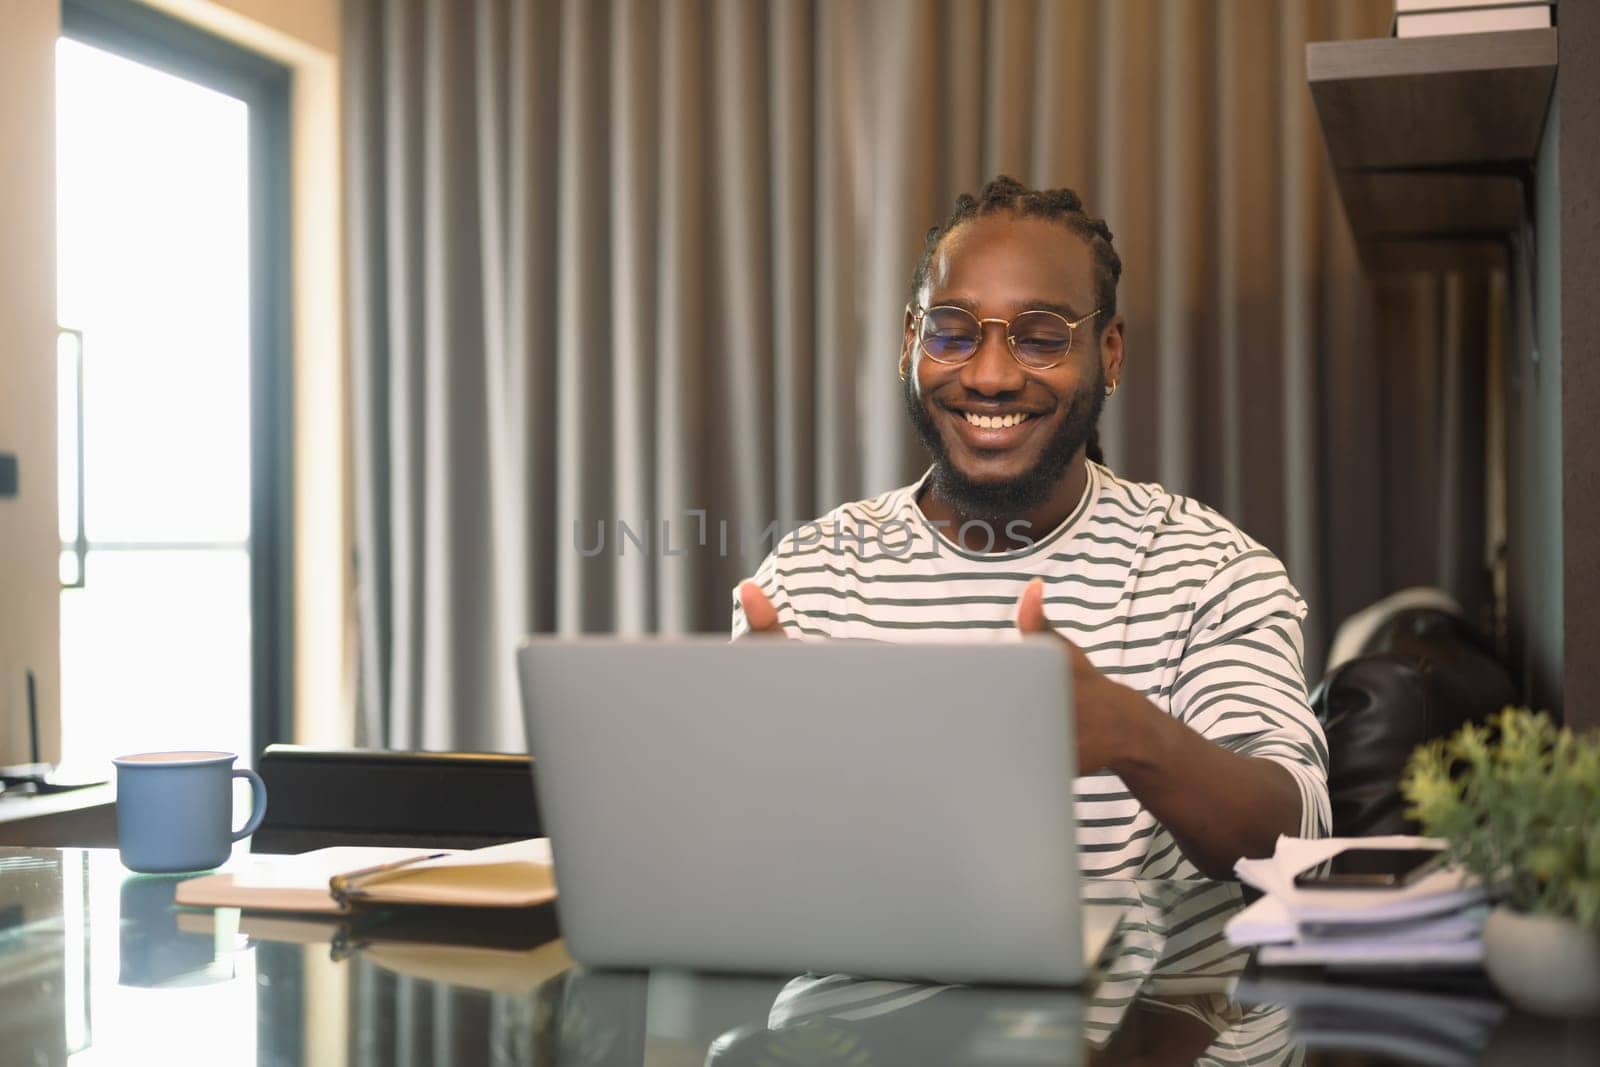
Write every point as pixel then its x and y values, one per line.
pixel 331 880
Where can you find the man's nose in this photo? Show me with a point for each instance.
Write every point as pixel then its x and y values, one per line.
pixel 992 370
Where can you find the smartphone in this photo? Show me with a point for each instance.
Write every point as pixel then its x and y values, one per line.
pixel 1373 868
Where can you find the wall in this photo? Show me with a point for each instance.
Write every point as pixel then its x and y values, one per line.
pixel 30 600
pixel 1553 437
pixel 278 27
pixel 1578 97
pixel 1537 543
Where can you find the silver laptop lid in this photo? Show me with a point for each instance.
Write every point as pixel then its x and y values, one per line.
pixel 786 806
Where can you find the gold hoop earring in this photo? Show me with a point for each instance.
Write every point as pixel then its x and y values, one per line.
pixel 902 372
pixel 1111 390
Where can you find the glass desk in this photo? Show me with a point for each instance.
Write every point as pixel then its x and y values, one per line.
pixel 96 967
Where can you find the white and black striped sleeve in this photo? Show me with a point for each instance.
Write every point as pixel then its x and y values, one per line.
pixel 1241 680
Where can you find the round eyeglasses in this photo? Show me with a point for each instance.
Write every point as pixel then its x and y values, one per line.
pixel 1038 339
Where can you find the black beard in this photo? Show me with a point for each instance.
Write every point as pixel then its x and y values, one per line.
pixel 1002 501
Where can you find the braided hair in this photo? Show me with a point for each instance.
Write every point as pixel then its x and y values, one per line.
pixel 1006 194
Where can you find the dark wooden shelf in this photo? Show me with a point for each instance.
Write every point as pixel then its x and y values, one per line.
pixel 1429 138
pixel 1392 255
pixel 1395 204
pixel 1471 98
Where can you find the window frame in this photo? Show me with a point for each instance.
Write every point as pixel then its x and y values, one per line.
pixel 158 40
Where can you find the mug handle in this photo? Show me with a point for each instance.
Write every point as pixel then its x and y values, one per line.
pixel 258 802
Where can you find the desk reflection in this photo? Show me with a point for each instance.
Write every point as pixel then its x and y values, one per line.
pixel 36 1010
pixel 154 950
pixel 1159 997
pixel 96 967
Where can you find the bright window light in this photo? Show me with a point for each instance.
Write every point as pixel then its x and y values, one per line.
pixel 153 237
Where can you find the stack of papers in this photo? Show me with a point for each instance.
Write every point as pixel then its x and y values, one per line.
pixel 1435 921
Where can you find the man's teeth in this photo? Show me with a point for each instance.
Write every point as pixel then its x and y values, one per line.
pixel 995 422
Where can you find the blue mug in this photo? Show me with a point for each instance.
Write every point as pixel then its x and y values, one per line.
pixel 175 810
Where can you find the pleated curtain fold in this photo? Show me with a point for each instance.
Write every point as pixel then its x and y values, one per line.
pixel 638 263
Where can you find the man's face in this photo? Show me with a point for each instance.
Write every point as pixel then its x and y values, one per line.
pixel 999 266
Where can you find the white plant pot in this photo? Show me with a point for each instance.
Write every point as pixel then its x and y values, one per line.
pixel 1543 964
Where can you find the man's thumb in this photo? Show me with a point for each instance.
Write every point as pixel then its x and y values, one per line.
pixel 1030 609
pixel 759 613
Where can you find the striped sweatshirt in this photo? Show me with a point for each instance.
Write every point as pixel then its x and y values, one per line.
pixel 1163 595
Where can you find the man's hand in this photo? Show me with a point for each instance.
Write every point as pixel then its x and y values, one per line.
pixel 1103 719
pixel 1218 805
pixel 759 613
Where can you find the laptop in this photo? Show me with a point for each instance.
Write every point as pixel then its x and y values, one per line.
pixel 778 806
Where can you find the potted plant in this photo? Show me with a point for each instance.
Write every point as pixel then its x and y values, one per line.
pixel 1518 802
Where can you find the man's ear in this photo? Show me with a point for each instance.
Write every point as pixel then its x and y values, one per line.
pixel 906 341
pixel 1111 341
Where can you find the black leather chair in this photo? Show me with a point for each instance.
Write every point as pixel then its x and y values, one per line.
pixel 1420 676
pixel 322 797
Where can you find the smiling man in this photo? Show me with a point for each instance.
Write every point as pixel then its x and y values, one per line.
pixel 1195 745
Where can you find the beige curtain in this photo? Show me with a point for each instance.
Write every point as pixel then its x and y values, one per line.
pixel 643 262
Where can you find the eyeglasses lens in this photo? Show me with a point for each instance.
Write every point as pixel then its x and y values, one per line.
pixel 950 335
pixel 1039 339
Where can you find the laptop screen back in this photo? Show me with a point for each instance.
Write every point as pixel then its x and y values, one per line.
pixel 787 806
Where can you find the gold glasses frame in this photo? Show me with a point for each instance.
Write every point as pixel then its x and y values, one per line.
pixel 920 313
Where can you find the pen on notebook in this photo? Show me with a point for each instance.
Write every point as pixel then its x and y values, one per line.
pixel 344 886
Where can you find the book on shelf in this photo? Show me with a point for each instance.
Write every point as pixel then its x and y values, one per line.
pixel 330 881
pixel 1440 18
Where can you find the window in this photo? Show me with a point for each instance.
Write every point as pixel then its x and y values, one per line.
pixel 172 180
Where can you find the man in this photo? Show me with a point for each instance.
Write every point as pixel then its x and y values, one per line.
pixel 1195 745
